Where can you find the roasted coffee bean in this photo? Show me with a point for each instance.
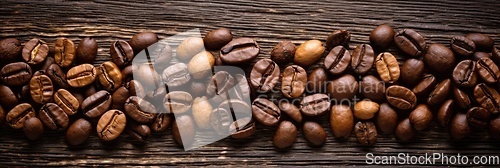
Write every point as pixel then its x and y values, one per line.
pixel 285 135
pixel 183 130
pixel 487 97
pixel 10 49
pixel 86 51
pixel 410 42
pixel 220 83
pixel 163 57
pixel 53 116
pixel 161 122
pixel 494 128
pixel 241 109
pixel 478 117
pixel 41 89
pixel 139 109
pixel 266 112
pixel 9 99
pixel 176 75
pixel 109 75
pixel 382 37
pixel 405 131
pixel 80 98
pixel 89 90
pixel 201 110
pixel 68 103
pixel 338 38
pixel 121 53
pixel 156 96
pixel 363 58
pixel 190 47
pixel 316 81
pixel 132 88
pixel 308 53
pixel 463 46
pixel 146 75
pixel 343 88
pixel 81 75
pixel 19 114
pixel 365 110
pixel 412 71
pixel 78 132
pixel 315 105
pixel 217 38
pixel 488 70
pixel 283 52
pixel 483 42
pixel 242 128
pixel 387 67
pixel 425 86
pixel 24 94
pixel 459 127
pixel 421 117
pixel 387 119
pixel 445 113
pixel 48 61
pixel 220 120
pixel 440 93
pixel 96 104
pixel 291 110
pixel 57 75
pixel 111 125
pixel 293 82
pixel 439 58
pixel 35 51
pixel 142 40
pixel 139 132
pixel 177 102
pixel 64 52
pixel 337 60
pixel 401 97
pixel 372 88
pixel 16 74
pixel 242 89
pixel 495 54
pixel 366 133
pixel 462 99
pixel 478 55
pixel 127 73
pixel 240 50
pixel 341 121
pixel 33 128
pixel 265 75
pixel 464 74
pixel 314 133
pixel 201 65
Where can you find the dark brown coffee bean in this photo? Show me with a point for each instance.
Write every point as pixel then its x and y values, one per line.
pixel 33 128
pixel 363 58
pixel 337 60
pixel 372 88
pixel 487 97
pixel 217 38
pixel 338 38
pixel 242 128
pixel 405 131
pixel 314 133
pixel 309 53
pixel 35 51
pixel 410 42
pixel 316 81
pixel 86 50
pixel 96 104
pixel 23 94
pixel 463 46
pixel 177 102
pixel 382 37
pixel 315 105
pixel 459 127
pixel 387 119
pixel 41 89
pixel 401 97
pixel 127 73
pixel 283 52
pixel 421 117
pixel 68 103
pixel 57 75
pixel 412 71
pixel 266 112
pixel 139 109
pixel 53 116
pixel 387 67
pixel 139 132
pixel 462 99
pixel 132 88
pixel 495 54
pixel 142 40
pixel 220 83
pixel 265 75
pixel 109 75
pixel 78 132
pixel 176 75
pixel 121 53
pixel 440 93
pixel 18 115
pixel 184 130
pixel 16 74
pixel 478 55
pixel 111 125
pixel 494 128
pixel 240 50
pixel 439 58
pixel 464 74
pixel 478 117
pixel 343 88
pixel 161 122
pixel 483 42
pixel 48 61
pixel 425 86
pixel 64 52
pixel 341 121
pixel 291 110
pixel 81 75
pixel 9 99
pixel 285 135
pixel 293 82
pixel 366 133
pixel 446 111
pixel 10 49
pixel 488 70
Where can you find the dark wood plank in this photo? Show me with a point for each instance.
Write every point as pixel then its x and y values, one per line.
pixel 268 21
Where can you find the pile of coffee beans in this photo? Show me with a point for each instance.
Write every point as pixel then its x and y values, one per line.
pixel 58 88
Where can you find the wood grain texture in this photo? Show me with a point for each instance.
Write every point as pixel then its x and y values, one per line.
pixel 268 21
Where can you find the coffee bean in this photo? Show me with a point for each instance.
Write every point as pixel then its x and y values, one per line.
pixel 410 42
pixel 439 58
pixel 86 51
pixel 183 130
pixel 338 38
pixel 24 94
pixel 316 81
pixel 308 53
pixel 463 46
pixel 265 75
pixel 240 50
pixel 139 132
pixel 220 120
pixel 68 103
pixel 16 74
pixel 201 110
pixel 163 57
pixel 35 51
pixel 363 58
pixel 478 117
pixel 132 88
pixel 18 115
pixel 341 121
pixel 401 97
pixel 425 86
pixel 483 42
pixel 494 128
pixel 478 55
pixel 462 99
pixel 10 49
pixel 464 74
pixel 109 75
pixel 314 133
pixel 96 104
pixel 382 37
pixel 291 110
pixel 220 83
pixel 387 67
pixel 293 82
pixel 342 88
pixel 89 90
pixel 127 73
pixel 64 52
pixel 242 128
pixel 440 93
pixel 41 89
pixel 365 110
pixel 446 111
pixel 315 105
pixel 366 133
pixel 78 132
pixel 217 38
pixel 111 125
pixel 53 116
pixel 121 53
pixel 421 117
pixel 139 109
pixel 266 112
pixel 459 127
pixel 372 88
pixel 57 75
pixel 142 40
pixel 48 61
pixel 33 128
pixel 146 75
pixel 9 99
pixel 176 75
pixel 190 47
pixel 412 71
pixel 177 102
pixel 387 119
pixel 496 54
pixel 201 65
pixel 283 52
pixel 488 70
pixel 487 97
pixel 337 60
pixel 285 135
pixel 405 131
pixel 241 89
pixel 161 122
pixel 81 75
pixel 198 88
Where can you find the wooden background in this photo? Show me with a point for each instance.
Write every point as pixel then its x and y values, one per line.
pixel 268 21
